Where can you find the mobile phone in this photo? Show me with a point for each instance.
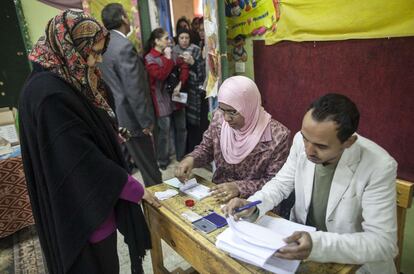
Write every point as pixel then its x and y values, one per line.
pixel 216 219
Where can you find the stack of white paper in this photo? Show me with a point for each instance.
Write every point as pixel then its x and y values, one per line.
pixel 255 243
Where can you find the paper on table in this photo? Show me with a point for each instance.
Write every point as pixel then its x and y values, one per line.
pixel 195 190
pixel 283 227
pixel 256 234
pixel 191 216
pixel 5 146
pixel 174 182
pixel 164 195
pixel 229 242
pixel 256 243
pixel 9 133
pixel 15 151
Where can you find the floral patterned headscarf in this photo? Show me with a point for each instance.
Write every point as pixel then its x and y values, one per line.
pixel 65 48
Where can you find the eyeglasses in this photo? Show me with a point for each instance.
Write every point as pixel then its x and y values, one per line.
pixel 231 113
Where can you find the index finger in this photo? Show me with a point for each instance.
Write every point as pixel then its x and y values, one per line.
pixel 293 238
pixel 290 248
pixel 225 210
pixel 216 187
pixel 231 205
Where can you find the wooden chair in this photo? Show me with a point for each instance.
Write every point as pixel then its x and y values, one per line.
pixel 404 201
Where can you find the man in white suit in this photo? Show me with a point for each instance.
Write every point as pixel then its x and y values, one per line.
pixel 344 186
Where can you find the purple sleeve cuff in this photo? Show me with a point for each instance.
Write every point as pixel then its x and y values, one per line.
pixel 132 191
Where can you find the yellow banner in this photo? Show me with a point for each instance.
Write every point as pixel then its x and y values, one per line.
pixel 249 17
pixel 323 20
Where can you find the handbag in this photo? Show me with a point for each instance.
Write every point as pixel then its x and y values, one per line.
pixel 172 80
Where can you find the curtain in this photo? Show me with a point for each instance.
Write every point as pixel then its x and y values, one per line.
pixel 165 18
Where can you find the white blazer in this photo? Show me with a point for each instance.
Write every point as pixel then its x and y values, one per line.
pixel 361 214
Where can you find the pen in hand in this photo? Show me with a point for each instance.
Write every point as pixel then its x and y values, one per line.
pixel 249 205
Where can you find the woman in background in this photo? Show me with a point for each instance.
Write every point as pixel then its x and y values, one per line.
pixel 197 105
pixel 79 188
pixel 160 62
pixel 184 23
pixel 246 144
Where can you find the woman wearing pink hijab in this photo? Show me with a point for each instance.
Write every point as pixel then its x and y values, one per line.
pixel 246 144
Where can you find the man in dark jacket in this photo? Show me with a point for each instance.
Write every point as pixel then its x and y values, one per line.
pixel 124 72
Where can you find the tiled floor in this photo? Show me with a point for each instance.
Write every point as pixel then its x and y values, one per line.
pixel 172 260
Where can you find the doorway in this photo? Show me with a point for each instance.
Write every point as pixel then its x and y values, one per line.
pixel 14 66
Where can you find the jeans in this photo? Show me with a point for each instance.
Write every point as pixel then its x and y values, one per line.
pixel 177 122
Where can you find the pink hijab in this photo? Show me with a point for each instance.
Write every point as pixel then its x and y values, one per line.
pixel 242 94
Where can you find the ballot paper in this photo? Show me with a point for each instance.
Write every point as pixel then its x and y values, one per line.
pixel 9 133
pixel 164 195
pixel 180 99
pixel 255 243
pixel 191 188
pixel 174 182
pixel 191 216
pixel 195 190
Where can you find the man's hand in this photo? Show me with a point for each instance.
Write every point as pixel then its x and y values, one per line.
pixel 225 191
pixel 150 198
pixel 148 130
pixel 183 170
pixel 230 208
pixel 299 247
pixel 124 134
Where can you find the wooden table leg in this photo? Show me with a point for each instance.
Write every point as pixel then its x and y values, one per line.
pixel 156 251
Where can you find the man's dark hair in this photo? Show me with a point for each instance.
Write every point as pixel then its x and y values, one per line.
pixel 337 108
pixel 112 16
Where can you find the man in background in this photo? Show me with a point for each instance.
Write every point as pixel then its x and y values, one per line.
pixel 124 72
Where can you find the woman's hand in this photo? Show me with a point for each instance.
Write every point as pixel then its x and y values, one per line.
pixel 177 90
pixel 167 52
pixel 187 58
pixel 224 192
pixel 183 170
pixel 150 198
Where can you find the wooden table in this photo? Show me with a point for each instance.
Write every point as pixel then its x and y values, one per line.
pixel 199 249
